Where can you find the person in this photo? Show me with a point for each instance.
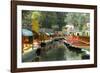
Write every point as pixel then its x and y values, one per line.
pixel 38 54
pixel 40 51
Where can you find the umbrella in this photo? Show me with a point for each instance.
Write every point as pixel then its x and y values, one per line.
pixel 26 32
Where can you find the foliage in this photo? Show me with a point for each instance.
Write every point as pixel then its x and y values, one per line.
pixel 26 18
pixel 79 20
pixel 55 20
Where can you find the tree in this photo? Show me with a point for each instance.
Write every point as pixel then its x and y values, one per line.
pixel 77 19
pixel 35 21
pixel 26 19
pixel 60 19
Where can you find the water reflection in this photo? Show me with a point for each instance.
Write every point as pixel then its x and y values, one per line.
pixel 56 50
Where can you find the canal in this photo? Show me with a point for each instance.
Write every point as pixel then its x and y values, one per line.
pixel 56 50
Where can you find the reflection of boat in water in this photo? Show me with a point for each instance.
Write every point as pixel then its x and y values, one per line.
pixel 78 49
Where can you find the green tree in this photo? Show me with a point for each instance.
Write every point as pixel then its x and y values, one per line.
pixel 77 19
pixel 26 18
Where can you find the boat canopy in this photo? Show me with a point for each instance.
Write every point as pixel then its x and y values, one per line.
pixel 26 32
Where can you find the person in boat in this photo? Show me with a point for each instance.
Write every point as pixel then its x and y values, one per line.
pixel 40 51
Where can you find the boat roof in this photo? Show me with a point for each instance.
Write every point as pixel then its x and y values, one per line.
pixel 26 32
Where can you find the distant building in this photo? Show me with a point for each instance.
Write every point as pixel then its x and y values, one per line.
pixel 68 29
pixel 45 33
pixel 86 31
